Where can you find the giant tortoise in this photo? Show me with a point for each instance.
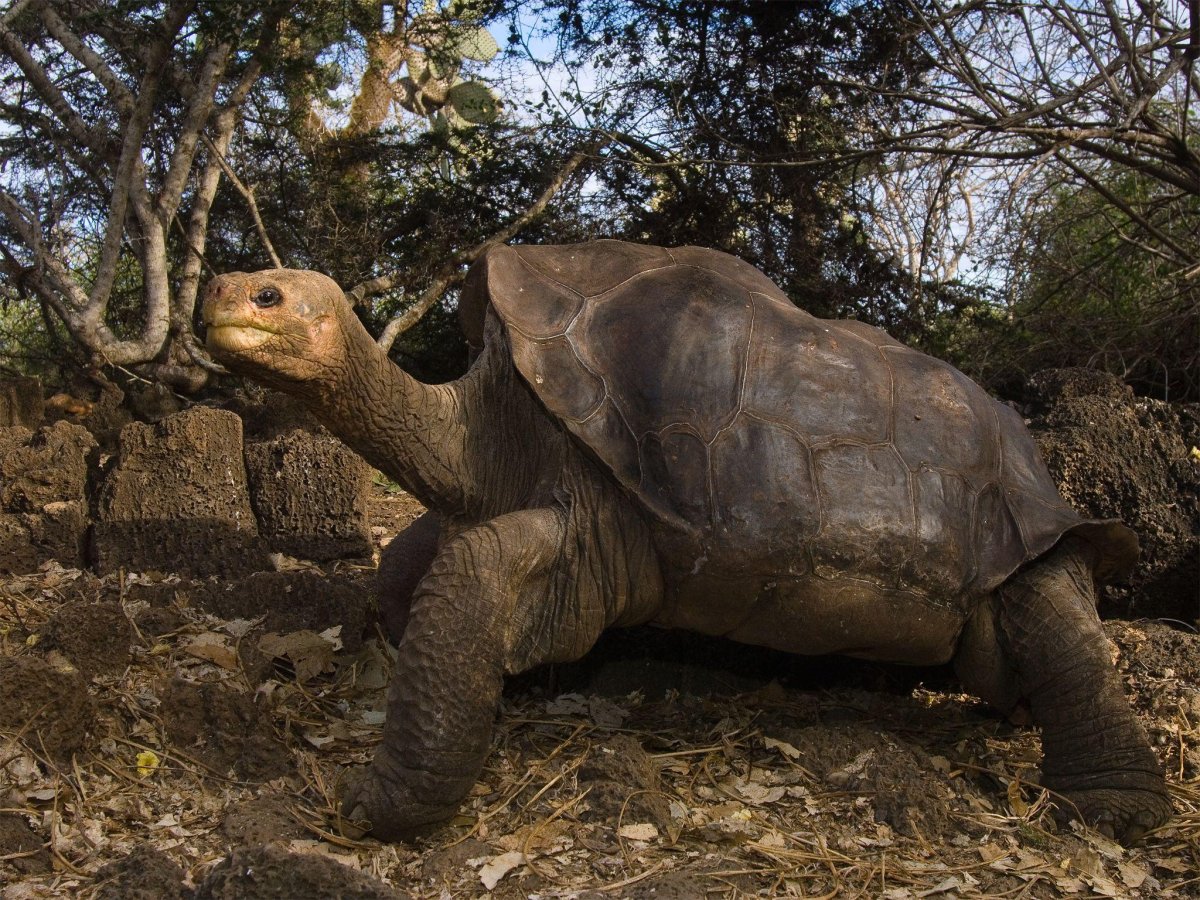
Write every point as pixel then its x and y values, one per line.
pixel 660 435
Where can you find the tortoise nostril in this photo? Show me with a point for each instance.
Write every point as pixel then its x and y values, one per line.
pixel 266 298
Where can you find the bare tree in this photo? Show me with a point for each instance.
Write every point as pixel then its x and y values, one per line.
pixel 126 106
pixel 1048 92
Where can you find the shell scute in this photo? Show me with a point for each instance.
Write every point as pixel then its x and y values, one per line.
pixel 778 488
pixel 942 558
pixel 867 517
pixel 731 268
pixel 675 474
pixel 571 391
pixel 537 306
pixel 942 418
pixel 595 268
pixel 998 538
pixel 814 379
pixel 666 358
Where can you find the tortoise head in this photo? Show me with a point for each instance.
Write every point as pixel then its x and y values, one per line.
pixel 283 327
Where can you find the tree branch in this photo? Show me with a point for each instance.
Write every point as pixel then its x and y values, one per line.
pixel 451 272
pixel 120 95
pixel 51 95
pixel 248 195
pixel 198 112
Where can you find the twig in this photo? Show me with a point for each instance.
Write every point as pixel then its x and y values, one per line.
pixel 249 196
pixel 452 272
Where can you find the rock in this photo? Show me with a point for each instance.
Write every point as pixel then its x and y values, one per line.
pixel 27 540
pixel 223 729
pixel 48 706
pixel 154 402
pixel 177 500
pixel 624 785
pixel 21 402
pixel 269 414
pixel 1114 455
pixel 43 503
pixel 266 873
pixel 310 494
pixel 95 637
pixel 50 466
pixel 145 874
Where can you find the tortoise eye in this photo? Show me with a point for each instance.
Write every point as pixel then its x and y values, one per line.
pixel 266 298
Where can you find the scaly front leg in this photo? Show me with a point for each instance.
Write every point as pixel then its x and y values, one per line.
pixel 493 603
pixel 402 565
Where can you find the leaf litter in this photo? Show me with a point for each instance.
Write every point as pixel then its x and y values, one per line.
pixel 773 791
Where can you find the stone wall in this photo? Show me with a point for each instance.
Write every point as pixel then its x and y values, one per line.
pixel 184 495
pixel 43 495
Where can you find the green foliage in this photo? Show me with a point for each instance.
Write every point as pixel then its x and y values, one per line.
pixel 1088 294
pixel 730 131
pixel 29 344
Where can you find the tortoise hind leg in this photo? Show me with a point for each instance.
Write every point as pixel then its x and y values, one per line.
pixel 1049 649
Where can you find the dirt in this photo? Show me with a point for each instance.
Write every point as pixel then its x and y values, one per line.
pixel 95 637
pixel 145 874
pixel 21 847
pixel 294 601
pixel 152 745
pixel 391 510
pixel 261 820
pixel 1114 455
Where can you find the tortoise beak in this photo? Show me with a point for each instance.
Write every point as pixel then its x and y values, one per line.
pixel 230 319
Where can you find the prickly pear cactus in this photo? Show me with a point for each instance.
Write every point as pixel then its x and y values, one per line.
pixel 442 40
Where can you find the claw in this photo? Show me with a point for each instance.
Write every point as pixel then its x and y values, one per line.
pixel 388 805
pixel 1133 833
pixel 1120 815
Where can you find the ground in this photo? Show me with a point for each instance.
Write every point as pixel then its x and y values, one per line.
pixel 151 749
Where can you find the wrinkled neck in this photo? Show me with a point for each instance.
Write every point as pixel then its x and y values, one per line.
pixel 472 449
pixel 412 432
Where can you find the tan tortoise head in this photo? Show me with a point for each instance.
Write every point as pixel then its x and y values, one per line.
pixel 285 327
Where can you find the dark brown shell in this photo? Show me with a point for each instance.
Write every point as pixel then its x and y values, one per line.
pixel 775 441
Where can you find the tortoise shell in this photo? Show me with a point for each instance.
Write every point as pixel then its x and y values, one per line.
pixel 762 440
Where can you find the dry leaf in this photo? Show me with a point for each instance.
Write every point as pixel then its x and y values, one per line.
pixel 1132 874
pixel 499 866
pixel 758 794
pixel 1015 800
pixel 782 746
pixel 643 831
pixel 215 648
pixel 309 652
pixel 990 852
pixel 281 562
pixel 567 705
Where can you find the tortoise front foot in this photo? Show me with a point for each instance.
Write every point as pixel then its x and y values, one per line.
pixel 382 793
pixel 1124 814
